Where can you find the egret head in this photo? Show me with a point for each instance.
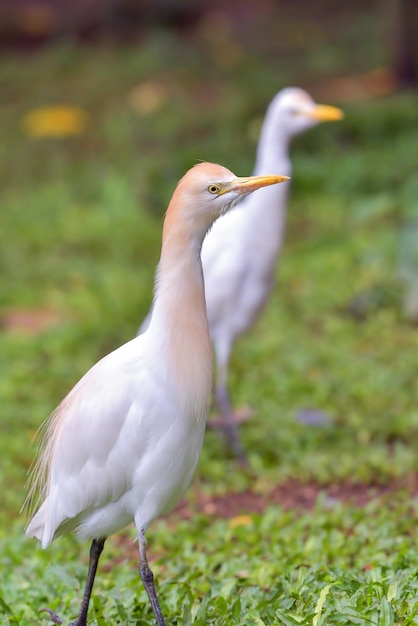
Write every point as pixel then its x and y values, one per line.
pixel 294 111
pixel 207 191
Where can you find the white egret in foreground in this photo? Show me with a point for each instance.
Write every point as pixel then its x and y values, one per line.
pixel 239 255
pixel 123 445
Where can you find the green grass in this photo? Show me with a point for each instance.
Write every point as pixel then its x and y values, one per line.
pixel 276 570
pixel 80 235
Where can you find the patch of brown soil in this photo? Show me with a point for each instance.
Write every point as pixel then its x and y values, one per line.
pixel 377 83
pixel 30 321
pixel 292 494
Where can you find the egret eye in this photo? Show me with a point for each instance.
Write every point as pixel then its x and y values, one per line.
pixel 214 188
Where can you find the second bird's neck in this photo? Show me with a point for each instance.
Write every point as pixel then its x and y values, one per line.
pixel 273 149
pixel 265 211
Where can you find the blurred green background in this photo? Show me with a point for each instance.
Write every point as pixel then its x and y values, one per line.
pixel 157 87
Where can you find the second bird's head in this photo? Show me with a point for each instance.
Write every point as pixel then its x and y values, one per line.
pixel 207 191
pixel 293 111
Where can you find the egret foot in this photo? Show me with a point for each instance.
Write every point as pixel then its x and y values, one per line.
pixel 95 552
pixel 148 579
pixel 228 422
pixel 234 443
pixel 241 415
pixel 55 619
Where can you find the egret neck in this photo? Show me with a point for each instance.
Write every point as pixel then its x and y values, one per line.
pixel 179 321
pixel 268 232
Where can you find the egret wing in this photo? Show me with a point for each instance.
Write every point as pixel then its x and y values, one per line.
pixel 95 439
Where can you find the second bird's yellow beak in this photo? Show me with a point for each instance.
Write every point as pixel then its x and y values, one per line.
pixel 247 184
pixel 324 113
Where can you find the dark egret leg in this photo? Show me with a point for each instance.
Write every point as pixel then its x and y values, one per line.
pixel 148 578
pixel 230 425
pixel 95 552
pixel 229 422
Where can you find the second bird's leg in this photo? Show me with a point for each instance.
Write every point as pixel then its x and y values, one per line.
pixel 95 552
pixel 147 578
pixel 230 425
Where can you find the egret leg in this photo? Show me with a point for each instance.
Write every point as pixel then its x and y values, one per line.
pixel 227 423
pixel 148 579
pixel 95 552
pixel 230 426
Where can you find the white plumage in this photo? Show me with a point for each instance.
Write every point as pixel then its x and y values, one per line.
pixel 239 255
pixel 113 446
pixel 124 444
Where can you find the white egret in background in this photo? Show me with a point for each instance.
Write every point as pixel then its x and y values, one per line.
pixel 123 445
pixel 239 255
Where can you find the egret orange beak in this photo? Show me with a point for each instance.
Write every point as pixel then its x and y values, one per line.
pixel 324 113
pixel 247 184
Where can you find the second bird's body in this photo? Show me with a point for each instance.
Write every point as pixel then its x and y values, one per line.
pixel 239 255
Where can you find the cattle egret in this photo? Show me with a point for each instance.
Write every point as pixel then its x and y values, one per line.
pixel 123 445
pixel 239 255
